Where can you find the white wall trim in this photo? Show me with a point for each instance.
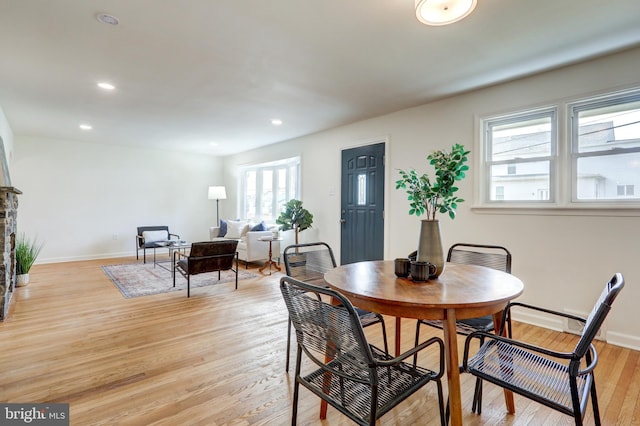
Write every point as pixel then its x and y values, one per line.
pixel 624 340
pixel 557 324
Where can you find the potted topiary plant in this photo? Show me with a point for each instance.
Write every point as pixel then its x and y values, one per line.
pixel 26 252
pixel 295 217
pixel 437 196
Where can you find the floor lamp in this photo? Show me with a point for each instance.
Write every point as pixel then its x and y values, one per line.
pixel 217 193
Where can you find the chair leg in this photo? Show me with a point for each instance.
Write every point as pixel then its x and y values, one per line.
pixel 286 367
pixel 476 407
pixel 444 419
pixel 594 401
pixel 477 397
pixel 415 356
pixel 296 388
pixel 236 271
pixel 384 334
pixel 188 285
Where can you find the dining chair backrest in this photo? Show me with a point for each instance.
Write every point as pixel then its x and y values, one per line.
pixel 599 313
pixel 491 256
pixel 323 328
pixel 308 262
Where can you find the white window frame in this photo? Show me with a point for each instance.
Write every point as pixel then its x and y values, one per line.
pixel 486 125
pixel 592 103
pixel 563 181
pixel 292 185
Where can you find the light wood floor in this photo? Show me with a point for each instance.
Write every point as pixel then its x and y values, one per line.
pixel 216 358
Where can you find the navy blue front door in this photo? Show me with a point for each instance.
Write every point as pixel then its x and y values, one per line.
pixel 362 204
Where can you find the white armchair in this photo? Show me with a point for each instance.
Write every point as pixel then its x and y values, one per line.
pixel 250 248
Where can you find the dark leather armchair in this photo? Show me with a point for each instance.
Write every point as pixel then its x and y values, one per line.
pixel 152 237
pixel 207 256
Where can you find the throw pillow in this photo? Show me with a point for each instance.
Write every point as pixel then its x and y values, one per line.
pixel 260 227
pixel 223 228
pixel 154 236
pixel 235 228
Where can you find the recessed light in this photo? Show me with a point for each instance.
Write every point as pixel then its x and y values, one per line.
pixel 276 122
pixel 86 127
pixel 213 144
pixel 105 18
pixel 106 86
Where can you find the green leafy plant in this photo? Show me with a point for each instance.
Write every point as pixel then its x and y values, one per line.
pixel 27 252
pixel 294 216
pixel 430 197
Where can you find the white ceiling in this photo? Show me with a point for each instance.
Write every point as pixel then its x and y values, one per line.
pixel 194 72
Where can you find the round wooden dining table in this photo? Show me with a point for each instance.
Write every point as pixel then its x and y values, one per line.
pixel 460 292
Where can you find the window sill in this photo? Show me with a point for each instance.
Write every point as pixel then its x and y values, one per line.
pixel 547 210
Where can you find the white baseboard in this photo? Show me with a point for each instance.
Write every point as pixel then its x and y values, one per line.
pixel 89 257
pixel 550 322
pixel 624 340
pixel 557 324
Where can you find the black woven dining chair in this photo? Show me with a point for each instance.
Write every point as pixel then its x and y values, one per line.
pixel 308 262
pixel 558 379
pixel 360 380
pixel 491 256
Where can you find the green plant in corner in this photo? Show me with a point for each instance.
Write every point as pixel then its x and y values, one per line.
pixel 430 197
pixel 27 252
pixel 294 216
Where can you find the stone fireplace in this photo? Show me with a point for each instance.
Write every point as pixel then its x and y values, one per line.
pixel 8 214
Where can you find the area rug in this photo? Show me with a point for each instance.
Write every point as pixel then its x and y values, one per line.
pixel 142 279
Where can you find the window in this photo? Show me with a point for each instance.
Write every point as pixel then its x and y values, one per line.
pixel 539 158
pixel 520 153
pixel 605 147
pixel 266 187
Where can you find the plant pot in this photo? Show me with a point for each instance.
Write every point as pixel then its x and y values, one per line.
pixel 430 245
pixel 22 280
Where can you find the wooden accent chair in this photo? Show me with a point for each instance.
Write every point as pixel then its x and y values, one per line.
pixel 560 380
pixel 152 237
pixel 207 256
pixel 360 380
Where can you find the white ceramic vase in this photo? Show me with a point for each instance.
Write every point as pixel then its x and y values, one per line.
pixel 22 280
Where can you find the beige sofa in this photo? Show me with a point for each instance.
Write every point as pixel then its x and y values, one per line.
pixel 250 248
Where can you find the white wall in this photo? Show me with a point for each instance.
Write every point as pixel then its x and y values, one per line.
pixel 564 261
pixel 7 137
pixel 78 197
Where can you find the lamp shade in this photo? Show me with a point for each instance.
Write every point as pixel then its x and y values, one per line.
pixel 443 12
pixel 217 193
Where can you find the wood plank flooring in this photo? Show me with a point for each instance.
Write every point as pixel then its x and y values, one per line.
pixel 217 358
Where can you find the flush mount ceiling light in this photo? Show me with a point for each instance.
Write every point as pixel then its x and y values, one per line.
pixel 85 126
pixel 276 122
pixel 443 12
pixel 106 86
pixel 105 18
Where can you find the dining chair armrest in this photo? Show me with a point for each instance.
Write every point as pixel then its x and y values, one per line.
pixel 174 235
pixel 506 314
pixel 534 348
pixel 415 350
